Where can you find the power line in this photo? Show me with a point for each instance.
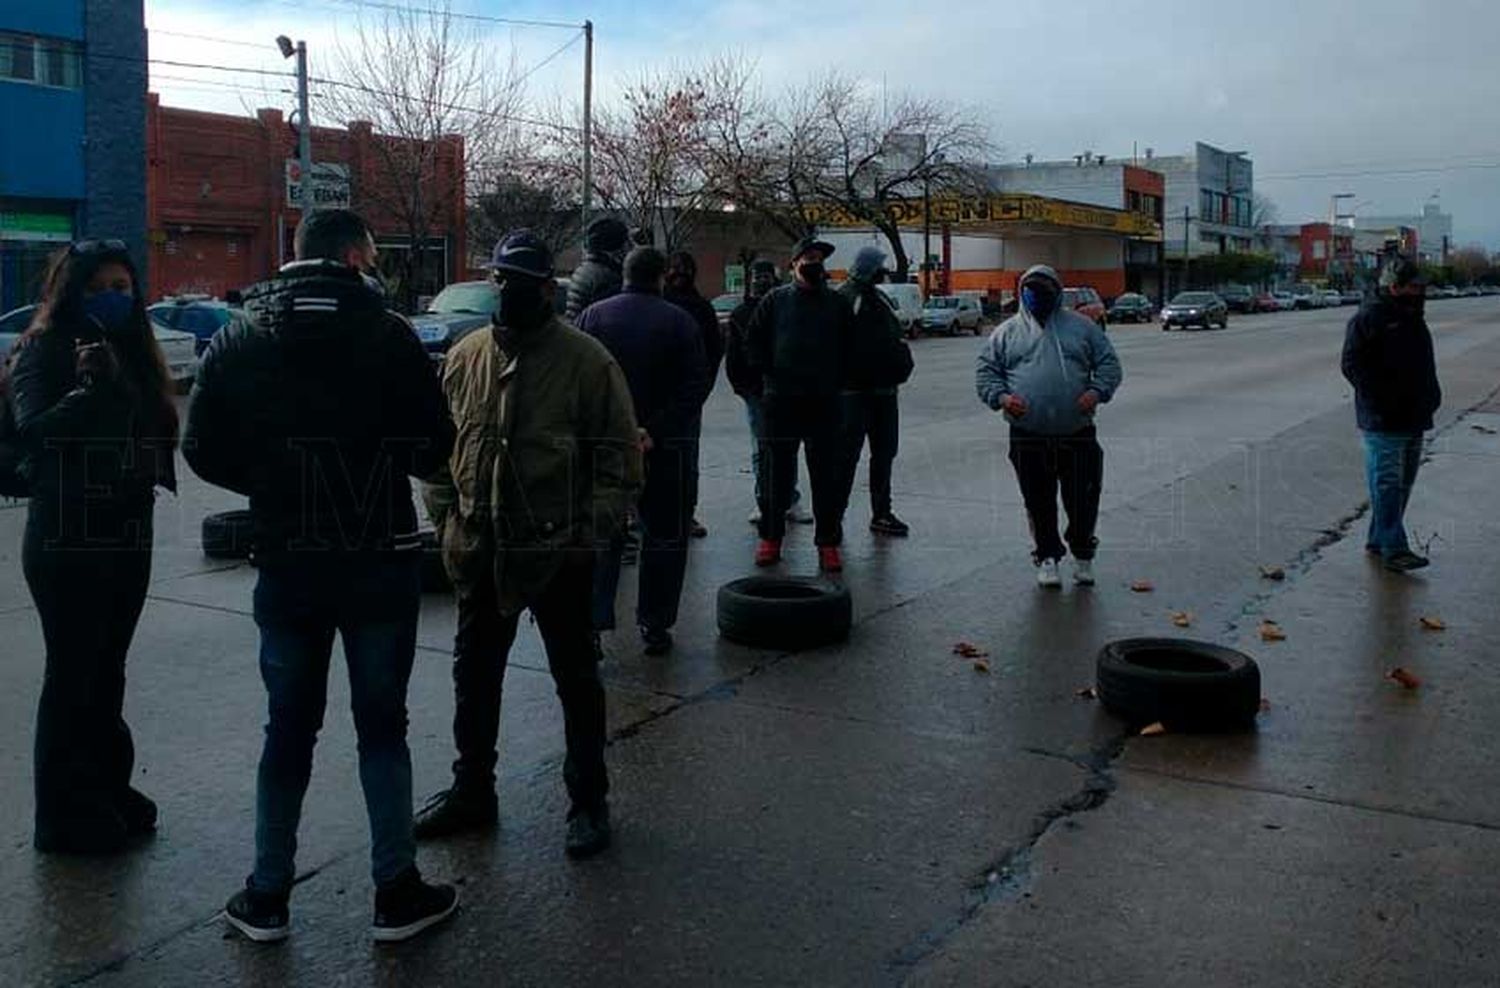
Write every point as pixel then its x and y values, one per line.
pixel 1378 173
pixel 209 37
pixel 137 59
pixel 508 118
pixel 540 65
pixel 436 12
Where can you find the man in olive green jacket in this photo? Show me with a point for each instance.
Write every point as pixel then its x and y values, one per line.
pixel 545 466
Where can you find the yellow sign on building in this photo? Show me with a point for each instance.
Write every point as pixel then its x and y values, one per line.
pixel 981 212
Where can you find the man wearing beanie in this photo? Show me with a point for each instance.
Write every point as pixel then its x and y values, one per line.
pixel 605 244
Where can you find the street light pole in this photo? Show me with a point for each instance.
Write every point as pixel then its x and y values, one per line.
pixel 304 123
pixel 926 232
pixel 588 122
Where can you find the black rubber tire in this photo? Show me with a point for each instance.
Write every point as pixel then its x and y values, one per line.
pixel 434 573
pixel 788 613
pixel 1188 686
pixel 228 535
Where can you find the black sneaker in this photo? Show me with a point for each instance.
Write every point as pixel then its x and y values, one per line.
pixel 889 524
pixel 598 648
pixel 138 811
pixel 456 811
pixel 407 906
pixel 259 916
pixel 698 530
pixel 588 832
pixel 658 641
pixel 1404 561
pixel 98 830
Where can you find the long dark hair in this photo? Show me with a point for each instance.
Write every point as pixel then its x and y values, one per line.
pixel 60 310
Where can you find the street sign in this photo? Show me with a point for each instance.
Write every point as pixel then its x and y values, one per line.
pixel 330 185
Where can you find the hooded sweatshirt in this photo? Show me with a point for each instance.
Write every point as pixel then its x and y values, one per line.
pixel 1050 366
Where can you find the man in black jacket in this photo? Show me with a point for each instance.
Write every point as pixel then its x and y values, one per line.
pixel 1388 358
pixel 319 404
pixel 604 245
pixel 798 343
pixel 659 348
pixel 681 289
pixel 879 358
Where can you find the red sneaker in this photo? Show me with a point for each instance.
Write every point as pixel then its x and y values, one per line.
pixel 829 559
pixel 768 553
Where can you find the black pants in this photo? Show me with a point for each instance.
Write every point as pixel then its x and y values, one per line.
pixel 89 591
pixel 1049 465
pixel 816 423
pixel 665 510
pixel 876 417
pixel 480 653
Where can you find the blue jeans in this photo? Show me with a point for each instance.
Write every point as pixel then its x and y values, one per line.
pixel 1391 463
pixel 371 600
pixel 755 417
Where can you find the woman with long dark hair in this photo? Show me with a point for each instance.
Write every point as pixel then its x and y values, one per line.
pixel 92 408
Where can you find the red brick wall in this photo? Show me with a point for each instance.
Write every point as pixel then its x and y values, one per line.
pixel 216 194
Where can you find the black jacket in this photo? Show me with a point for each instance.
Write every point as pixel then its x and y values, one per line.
pixel 319 404
pixel 595 280
pixel 744 380
pixel 707 321
pixel 1388 358
pixel 878 352
pixel 658 347
pixel 94 447
pixel 799 341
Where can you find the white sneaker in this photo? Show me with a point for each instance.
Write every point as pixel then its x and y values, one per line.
pixel 755 517
pixel 1047 575
pixel 799 515
pixel 1083 572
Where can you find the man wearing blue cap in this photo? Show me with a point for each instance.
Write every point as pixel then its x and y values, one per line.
pixel 546 464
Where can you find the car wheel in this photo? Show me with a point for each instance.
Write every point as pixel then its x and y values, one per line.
pixel 228 535
pixel 1185 685
pixel 787 613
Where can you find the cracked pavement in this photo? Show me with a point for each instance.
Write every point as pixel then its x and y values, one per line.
pixel 880 812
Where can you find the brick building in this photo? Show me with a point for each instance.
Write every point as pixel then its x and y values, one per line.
pixel 220 194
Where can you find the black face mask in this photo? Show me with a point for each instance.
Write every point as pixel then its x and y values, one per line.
pixel 1410 305
pixel 813 272
pixel 522 307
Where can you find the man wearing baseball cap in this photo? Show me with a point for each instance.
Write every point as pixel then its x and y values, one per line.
pixel 1388 358
pixel 545 466
pixel 798 344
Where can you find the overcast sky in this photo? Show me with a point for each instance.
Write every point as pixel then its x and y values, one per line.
pixel 1394 102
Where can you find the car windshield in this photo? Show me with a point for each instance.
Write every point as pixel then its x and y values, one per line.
pixel 1235 291
pixel 1126 301
pixel 944 302
pixel 1072 297
pixel 1193 298
pixel 477 298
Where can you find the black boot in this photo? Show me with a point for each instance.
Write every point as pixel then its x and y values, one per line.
pixel 460 810
pixel 138 811
pixel 588 832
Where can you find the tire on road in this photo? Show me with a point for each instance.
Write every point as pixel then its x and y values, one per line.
pixel 228 535
pixel 790 613
pixel 1186 685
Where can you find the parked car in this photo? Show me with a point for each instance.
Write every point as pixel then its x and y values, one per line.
pixel 1285 301
pixel 726 304
pixel 1238 298
pixel 198 315
pixel 1448 291
pixel 1490 290
pixel 1471 292
pixel 1195 309
pixel 1333 298
pixel 1130 307
pixel 1264 302
pixel 1086 302
pixel 906 298
pixel 951 314
pixel 454 313
pixel 1308 297
pixel 179 349
pixel 1352 296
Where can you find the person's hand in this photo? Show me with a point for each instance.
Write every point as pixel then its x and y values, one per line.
pixel 1088 401
pixel 1014 405
pixel 643 440
pixel 95 362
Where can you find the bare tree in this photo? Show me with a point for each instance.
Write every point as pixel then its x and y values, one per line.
pixel 428 84
pixel 1263 211
pixel 884 156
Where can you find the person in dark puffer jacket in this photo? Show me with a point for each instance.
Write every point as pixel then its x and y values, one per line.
pixel 91 415
pixel 682 291
pixel 319 404
pixel 605 244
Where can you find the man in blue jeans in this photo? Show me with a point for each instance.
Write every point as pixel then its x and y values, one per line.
pixel 320 405
pixel 1388 358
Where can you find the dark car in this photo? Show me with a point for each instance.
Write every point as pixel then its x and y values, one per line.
pixel 454 313
pixel 1195 309
pixel 1131 307
pixel 1238 298
pixel 202 317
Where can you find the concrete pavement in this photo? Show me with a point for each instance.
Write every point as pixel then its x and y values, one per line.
pixel 881 812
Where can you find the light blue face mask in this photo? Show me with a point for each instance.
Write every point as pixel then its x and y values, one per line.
pixel 111 310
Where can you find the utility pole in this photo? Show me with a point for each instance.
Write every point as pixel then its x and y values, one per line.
pixel 1187 221
pixel 926 231
pixel 588 123
pixel 304 123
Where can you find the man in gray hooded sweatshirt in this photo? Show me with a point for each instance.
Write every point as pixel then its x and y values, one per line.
pixel 1047 369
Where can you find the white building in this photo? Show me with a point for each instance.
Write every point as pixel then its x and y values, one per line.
pixel 1434 230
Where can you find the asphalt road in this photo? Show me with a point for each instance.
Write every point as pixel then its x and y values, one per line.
pixel 868 814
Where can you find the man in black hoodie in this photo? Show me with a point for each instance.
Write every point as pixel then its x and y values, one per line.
pixel 598 277
pixel 319 404
pixel 1388 358
pixel 682 291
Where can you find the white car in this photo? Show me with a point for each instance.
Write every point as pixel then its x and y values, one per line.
pixel 1285 301
pixel 1333 299
pixel 951 314
pixel 180 349
pixel 906 299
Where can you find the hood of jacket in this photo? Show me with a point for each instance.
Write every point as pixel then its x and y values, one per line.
pixel 314 302
pixel 1032 273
